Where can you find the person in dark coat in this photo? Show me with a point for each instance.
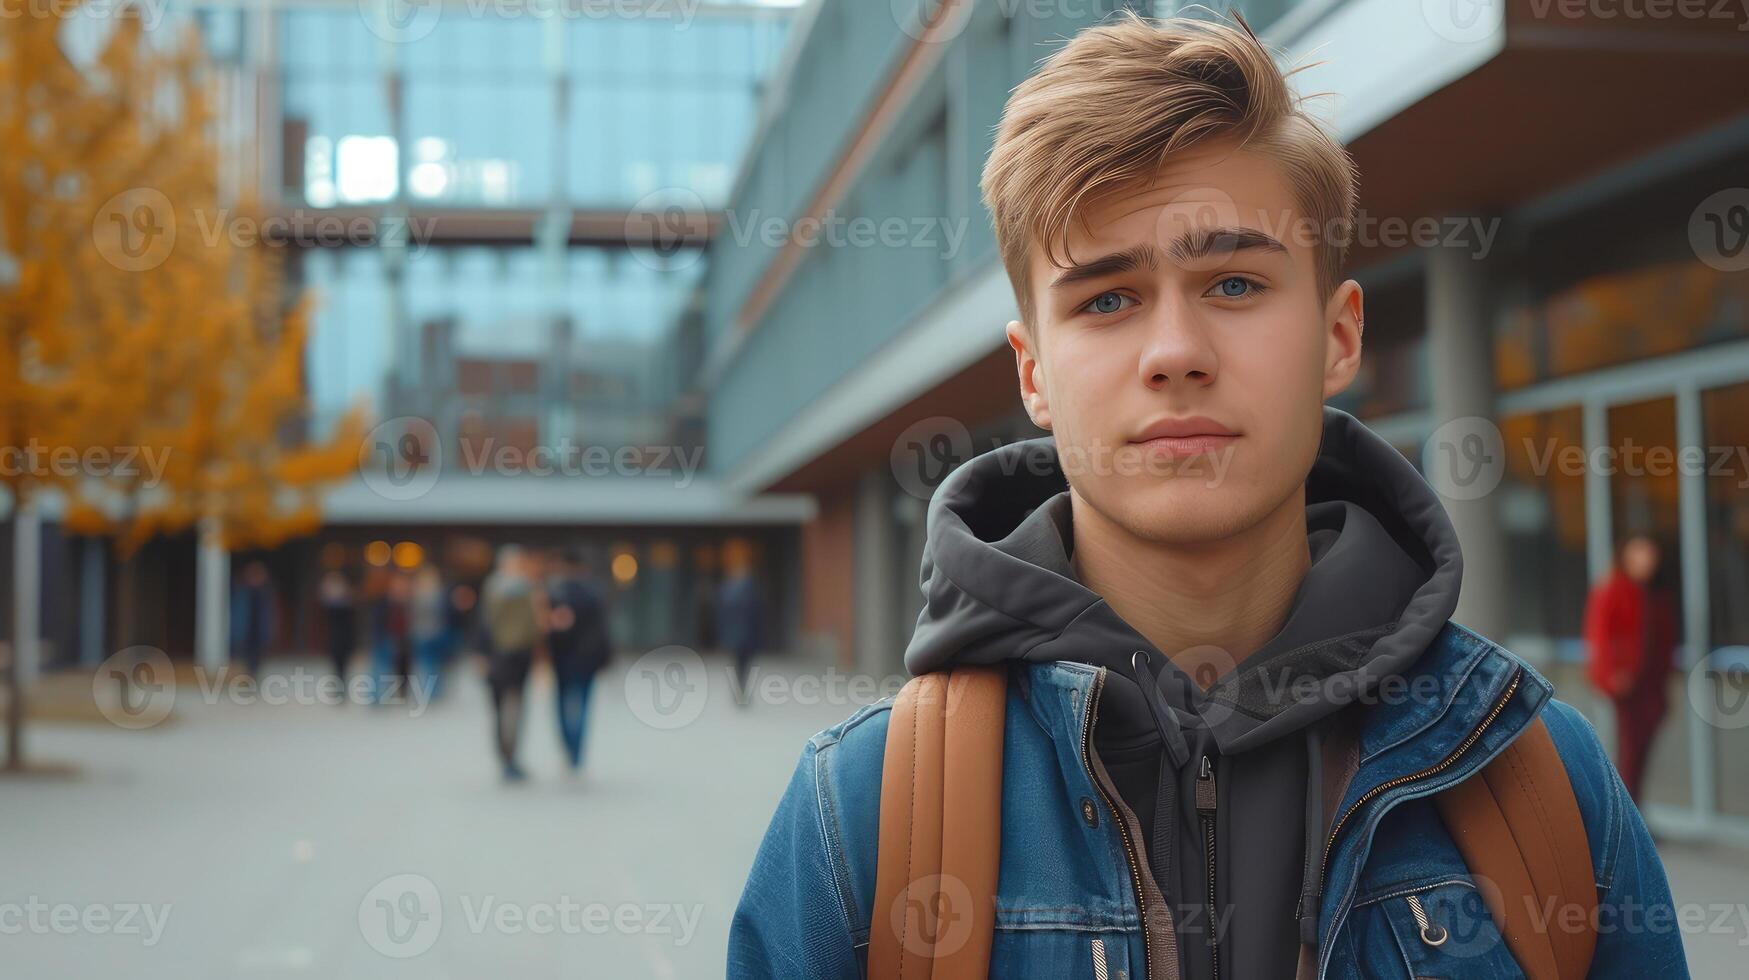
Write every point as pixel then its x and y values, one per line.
pixel 578 644
pixel 252 616
pixel 740 614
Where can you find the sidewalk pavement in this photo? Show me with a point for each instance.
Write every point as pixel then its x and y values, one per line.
pixel 277 836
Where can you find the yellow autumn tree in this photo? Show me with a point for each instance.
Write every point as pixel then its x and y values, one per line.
pixel 132 319
pixel 200 330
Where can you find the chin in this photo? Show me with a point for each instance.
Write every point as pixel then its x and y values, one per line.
pixel 1183 511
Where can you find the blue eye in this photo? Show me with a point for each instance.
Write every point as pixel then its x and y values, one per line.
pixel 1106 303
pixel 1234 287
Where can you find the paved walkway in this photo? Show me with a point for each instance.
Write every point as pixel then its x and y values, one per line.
pixel 243 839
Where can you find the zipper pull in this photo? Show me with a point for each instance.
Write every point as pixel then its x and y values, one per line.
pixel 1205 787
pixel 1431 933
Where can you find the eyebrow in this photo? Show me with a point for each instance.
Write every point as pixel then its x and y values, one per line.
pixel 1127 260
pixel 1191 246
pixel 1200 243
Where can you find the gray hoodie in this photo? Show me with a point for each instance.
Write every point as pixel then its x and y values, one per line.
pixel 1232 771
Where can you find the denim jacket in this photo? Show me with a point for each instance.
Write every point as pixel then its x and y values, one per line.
pixel 1067 900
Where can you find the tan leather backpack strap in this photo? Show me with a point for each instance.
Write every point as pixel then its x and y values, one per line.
pixel 971 827
pixel 1519 828
pixel 934 912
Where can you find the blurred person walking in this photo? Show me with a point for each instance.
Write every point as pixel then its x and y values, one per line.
pixel 515 610
pixel 428 627
pixel 389 593
pixel 252 616
pixel 739 614
pixel 340 618
pixel 1630 630
pixel 578 644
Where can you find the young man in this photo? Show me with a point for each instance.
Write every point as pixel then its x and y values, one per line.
pixel 1233 685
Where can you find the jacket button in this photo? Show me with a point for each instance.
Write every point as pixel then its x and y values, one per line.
pixel 1089 812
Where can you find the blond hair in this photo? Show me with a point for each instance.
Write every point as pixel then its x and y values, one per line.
pixel 1106 110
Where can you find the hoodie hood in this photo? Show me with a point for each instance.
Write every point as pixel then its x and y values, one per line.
pixel 999 585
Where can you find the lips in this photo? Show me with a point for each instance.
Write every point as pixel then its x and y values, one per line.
pixel 1190 436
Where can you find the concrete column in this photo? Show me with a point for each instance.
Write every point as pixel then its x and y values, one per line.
pixel 1460 348
pixel 27 590
pixel 879 639
pixel 212 610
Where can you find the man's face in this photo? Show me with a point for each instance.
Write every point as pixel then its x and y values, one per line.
pixel 1182 359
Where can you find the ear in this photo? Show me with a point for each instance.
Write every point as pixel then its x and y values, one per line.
pixel 1031 372
pixel 1345 322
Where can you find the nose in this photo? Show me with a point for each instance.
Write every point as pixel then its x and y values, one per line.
pixel 1178 351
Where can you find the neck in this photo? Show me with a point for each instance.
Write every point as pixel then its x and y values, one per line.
pixel 1206 605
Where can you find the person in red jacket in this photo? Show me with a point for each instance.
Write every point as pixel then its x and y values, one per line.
pixel 1630 631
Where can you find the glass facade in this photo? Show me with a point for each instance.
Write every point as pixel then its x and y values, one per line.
pixel 519 112
pixel 1725 413
pixel 1622 317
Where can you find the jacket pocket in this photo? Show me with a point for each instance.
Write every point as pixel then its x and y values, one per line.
pixel 1068 954
pixel 1444 931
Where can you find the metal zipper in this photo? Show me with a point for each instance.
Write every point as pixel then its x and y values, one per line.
pixel 1206 800
pixel 1123 832
pixel 1441 766
pixel 1099 971
pixel 1434 770
pixel 1431 934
